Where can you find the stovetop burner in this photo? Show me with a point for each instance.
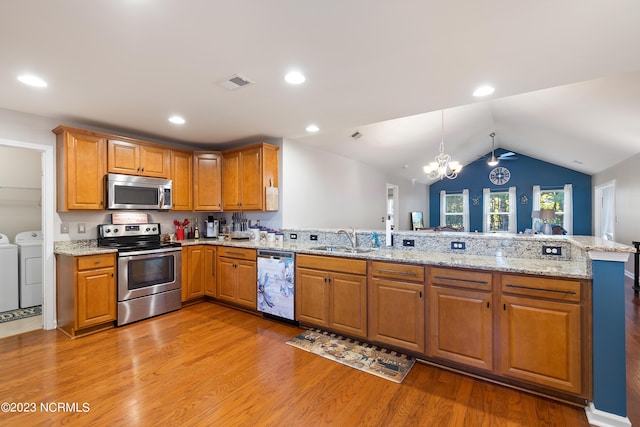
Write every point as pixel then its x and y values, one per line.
pixel 132 237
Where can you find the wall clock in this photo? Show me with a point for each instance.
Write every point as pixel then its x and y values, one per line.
pixel 499 175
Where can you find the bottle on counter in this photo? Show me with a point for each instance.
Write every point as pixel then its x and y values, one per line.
pixel 196 232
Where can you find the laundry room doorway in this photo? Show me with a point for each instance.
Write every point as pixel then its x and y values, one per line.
pixel 27 207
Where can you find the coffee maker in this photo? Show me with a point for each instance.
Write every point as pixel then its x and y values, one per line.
pixel 211 227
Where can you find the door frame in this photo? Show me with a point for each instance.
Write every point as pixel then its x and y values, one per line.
pixel 597 217
pixel 48 179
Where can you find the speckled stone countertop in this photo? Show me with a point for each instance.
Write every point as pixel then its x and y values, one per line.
pixel 579 268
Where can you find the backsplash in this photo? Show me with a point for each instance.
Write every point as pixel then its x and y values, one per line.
pixel 512 246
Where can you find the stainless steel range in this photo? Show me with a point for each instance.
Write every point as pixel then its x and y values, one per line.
pixel 149 271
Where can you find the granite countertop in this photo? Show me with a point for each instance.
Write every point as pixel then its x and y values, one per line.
pixel 577 269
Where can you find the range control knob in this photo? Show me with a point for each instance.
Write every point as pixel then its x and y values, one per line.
pixel 148 229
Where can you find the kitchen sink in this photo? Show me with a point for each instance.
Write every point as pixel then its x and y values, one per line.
pixel 344 249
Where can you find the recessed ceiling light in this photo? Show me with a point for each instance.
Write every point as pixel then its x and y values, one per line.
pixel 295 78
pixel 483 91
pixel 177 120
pixel 312 128
pixel 32 80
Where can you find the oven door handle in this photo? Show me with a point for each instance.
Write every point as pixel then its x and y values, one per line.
pixel 148 252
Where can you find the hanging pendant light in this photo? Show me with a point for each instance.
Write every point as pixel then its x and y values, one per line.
pixel 493 161
pixel 443 166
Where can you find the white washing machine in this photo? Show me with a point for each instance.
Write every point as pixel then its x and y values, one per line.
pixel 9 275
pixel 30 267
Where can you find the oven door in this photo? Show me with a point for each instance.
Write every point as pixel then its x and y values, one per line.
pixel 144 273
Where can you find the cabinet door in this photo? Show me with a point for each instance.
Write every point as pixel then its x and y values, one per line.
pixel 123 157
pixel 195 275
pixel 312 297
pixel 251 174
pixel 210 271
pixel 82 165
pixel 226 276
pixel 182 179
pixel 541 342
pixel 396 313
pixel 461 326
pixel 231 181
pixel 154 161
pixel 348 304
pixel 206 182
pixel 247 291
pixel 96 297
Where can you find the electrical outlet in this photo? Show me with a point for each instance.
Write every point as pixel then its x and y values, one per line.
pixel 64 228
pixel 408 242
pixel 82 228
pixel 458 245
pixel 313 237
pixel 552 250
pixel 293 236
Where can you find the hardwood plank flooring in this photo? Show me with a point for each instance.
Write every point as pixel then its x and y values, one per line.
pixel 214 366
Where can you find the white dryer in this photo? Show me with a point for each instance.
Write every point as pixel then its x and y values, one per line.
pixel 30 267
pixel 9 273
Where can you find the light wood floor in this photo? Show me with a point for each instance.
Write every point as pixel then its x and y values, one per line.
pixel 210 365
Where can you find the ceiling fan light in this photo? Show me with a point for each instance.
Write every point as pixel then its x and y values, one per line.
pixel 493 161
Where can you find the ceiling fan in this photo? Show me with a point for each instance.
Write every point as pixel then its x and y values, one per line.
pixel 493 160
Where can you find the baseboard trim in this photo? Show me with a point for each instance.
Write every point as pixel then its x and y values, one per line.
pixel 605 419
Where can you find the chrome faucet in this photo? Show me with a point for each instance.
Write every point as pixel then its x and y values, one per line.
pixel 351 235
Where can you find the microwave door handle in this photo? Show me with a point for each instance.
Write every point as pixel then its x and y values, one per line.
pixel 160 197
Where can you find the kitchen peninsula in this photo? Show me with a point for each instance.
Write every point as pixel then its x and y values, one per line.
pixel 533 312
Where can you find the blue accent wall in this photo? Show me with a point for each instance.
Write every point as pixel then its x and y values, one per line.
pixel 525 173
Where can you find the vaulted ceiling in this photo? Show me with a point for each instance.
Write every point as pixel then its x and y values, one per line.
pixel 566 73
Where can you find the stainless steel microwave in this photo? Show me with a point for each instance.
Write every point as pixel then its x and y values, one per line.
pixel 137 192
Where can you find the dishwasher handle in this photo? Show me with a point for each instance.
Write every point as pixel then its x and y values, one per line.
pixel 275 254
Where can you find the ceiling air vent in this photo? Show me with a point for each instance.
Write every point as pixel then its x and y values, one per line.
pixel 235 82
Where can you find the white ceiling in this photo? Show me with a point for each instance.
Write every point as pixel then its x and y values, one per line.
pixel 567 74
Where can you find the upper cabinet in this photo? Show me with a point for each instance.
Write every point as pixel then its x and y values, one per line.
pixel 132 158
pixel 182 180
pixel 81 164
pixel 250 178
pixel 206 181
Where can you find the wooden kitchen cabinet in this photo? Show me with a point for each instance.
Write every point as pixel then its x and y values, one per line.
pixel 207 182
pixel 461 316
pixel 237 276
pixel 210 283
pixel 193 280
pixel 86 293
pixel 133 158
pixel 182 180
pixel 81 167
pixel 542 332
pixel 397 305
pixel 247 172
pixel 331 292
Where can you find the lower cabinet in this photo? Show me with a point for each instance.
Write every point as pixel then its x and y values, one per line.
pixel 237 276
pixel 209 271
pixel 331 292
pixel 193 280
pixel 542 334
pixel 397 305
pixel 461 317
pixel 86 293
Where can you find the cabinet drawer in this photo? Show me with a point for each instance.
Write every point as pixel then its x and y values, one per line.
pixel 560 289
pixel 330 263
pixel 460 278
pixel 96 261
pixel 239 253
pixel 405 272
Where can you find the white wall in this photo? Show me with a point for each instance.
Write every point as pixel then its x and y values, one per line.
pixel 20 190
pixel 627 199
pixel 324 190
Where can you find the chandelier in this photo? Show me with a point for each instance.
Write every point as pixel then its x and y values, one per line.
pixel 442 167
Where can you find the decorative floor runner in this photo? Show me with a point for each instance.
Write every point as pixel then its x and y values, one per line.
pixel 21 313
pixel 378 361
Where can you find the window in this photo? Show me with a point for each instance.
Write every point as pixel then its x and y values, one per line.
pixel 499 211
pixel 560 200
pixel 454 210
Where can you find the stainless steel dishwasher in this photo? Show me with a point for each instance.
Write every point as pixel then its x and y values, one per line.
pixel 276 286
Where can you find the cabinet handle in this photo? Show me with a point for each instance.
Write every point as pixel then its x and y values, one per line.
pixel 487 304
pixel 142 169
pixel 420 294
pixel 408 273
pixel 557 291
pixel 504 307
pixel 461 280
